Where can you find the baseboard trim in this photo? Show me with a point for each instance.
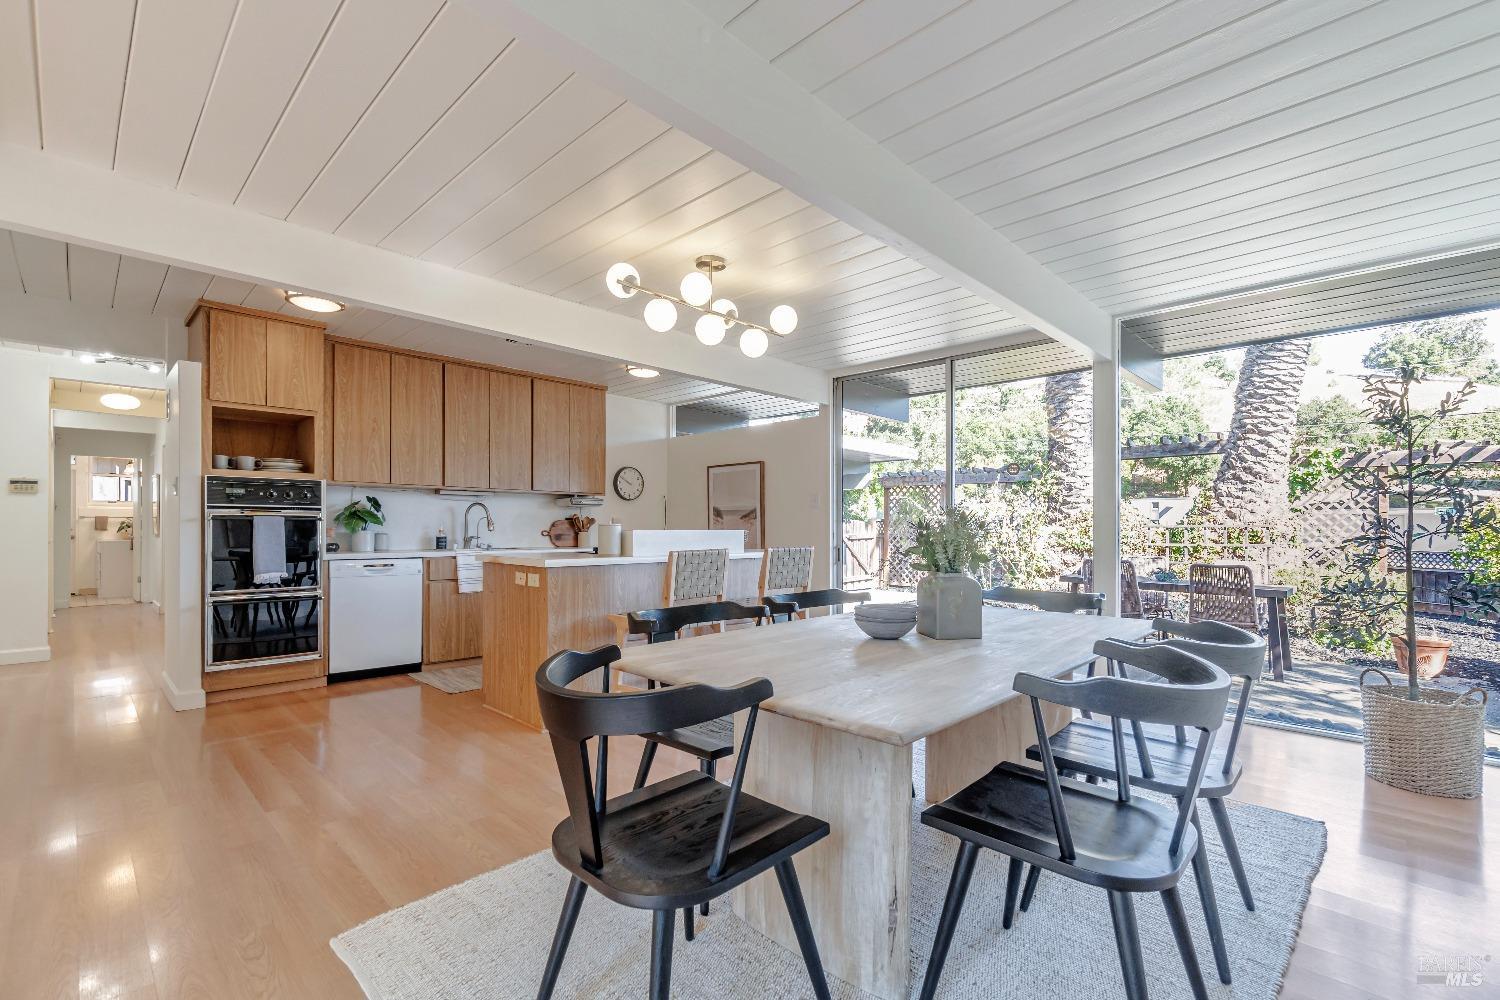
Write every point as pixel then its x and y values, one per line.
pixel 182 701
pixel 35 654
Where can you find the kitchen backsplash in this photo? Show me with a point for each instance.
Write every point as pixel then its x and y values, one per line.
pixel 412 517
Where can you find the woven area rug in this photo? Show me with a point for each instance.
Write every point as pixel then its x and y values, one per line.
pixel 488 937
pixel 453 680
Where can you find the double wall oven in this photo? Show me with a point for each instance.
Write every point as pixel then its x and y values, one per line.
pixel 262 554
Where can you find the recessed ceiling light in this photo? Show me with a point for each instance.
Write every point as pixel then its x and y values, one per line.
pixel 120 401
pixel 313 303
pixel 640 372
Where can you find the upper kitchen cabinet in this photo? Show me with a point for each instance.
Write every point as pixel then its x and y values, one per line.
pixel 510 431
pixel 466 426
pixel 258 360
pixel 361 411
pixel 585 439
pixel 416 421
pixel 550 435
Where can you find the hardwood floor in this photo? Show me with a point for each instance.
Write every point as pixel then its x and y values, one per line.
pixel 148 853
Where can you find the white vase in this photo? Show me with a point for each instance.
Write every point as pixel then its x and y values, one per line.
pixel 362 540
pixel 948 606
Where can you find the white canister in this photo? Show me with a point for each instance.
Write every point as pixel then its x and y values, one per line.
pixel 382 541
pixel 609 538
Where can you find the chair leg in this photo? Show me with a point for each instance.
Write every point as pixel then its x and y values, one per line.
pixel 1128 942
pixel 572 903
pixel 1012 891
pixel 687 923
pixel 644 770
pixel 1177 917
pixel 958 888
pixel 1210 903
pixel 1031 878
pixel 1231 849
pixel 661 953
pixel 791 892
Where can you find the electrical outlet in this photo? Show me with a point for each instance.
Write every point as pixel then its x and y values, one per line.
pixel 533 580
pixel 520 579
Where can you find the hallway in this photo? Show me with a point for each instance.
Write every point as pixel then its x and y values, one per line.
pixel 146 853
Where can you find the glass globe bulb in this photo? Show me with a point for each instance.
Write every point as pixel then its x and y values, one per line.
pixel 728 308
pixel 783 319
pixel 697 288
pixel 616 274
pixel 710 330
pixel 753 342
pixel 661 315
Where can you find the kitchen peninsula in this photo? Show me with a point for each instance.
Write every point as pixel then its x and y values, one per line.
pixel 535 605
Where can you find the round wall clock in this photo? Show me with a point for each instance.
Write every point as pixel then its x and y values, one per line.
pixel 629 483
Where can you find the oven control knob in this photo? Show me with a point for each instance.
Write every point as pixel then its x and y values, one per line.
pixel 307 494
pixel 270 494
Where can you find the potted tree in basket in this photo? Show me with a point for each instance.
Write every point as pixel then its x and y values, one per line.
pixel 949 548
pixel 357 517
pixel 1419 738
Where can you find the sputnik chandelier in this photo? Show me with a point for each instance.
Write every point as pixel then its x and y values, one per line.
pixel 717 316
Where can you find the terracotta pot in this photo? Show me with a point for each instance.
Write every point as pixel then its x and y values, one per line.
pixel 1432 655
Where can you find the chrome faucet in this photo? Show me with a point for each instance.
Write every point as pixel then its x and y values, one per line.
pixel 472 541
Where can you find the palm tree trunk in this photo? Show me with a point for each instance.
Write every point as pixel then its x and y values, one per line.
pixel 1070 443
pixel 1252 481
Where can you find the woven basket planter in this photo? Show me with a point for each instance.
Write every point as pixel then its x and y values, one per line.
pixel 1434 746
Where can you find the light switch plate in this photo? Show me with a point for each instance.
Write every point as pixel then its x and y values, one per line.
pixel 520 579
pixel 533 580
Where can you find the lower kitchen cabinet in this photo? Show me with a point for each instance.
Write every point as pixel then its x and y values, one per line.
pixel 453 626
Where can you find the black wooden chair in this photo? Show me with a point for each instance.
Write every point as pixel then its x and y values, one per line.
pixel 792 603
pixel 1115 842
pixel 1163 761
pixel 710 741
pixel 1065 601
pixel 674 844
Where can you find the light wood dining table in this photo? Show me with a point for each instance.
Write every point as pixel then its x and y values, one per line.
pixel 835 741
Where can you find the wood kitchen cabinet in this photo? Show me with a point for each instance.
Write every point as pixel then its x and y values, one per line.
pixel 550 436
pixel 416 421
pixel 361 414
pixel 510 431
pixel 236 357
pixel 294 366
pixel 585 439
pixel 466 426
pixel 452 623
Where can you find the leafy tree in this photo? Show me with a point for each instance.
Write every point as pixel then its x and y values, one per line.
pixel 1335 422
pixel 1449 345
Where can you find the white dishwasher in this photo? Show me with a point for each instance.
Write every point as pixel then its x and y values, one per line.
pixel 375 615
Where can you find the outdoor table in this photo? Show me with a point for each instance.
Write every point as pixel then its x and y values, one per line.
pixel 1278 634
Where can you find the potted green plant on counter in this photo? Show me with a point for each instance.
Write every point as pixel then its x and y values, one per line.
pixel 357 518
pixel 949 547
pixel 1422 739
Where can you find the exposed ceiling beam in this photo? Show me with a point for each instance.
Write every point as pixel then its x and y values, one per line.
pixel 669 58
pixel 67 200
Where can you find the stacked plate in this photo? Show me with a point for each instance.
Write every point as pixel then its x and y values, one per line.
pixel 886 621
pixel 281 465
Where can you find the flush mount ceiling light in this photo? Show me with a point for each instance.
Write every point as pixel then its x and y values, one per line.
pixel 640 371
pixel 120 401
pixel 716 316
pixel 313 303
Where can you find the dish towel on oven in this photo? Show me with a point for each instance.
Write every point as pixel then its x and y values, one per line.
pixel 470 574
pixel 268 550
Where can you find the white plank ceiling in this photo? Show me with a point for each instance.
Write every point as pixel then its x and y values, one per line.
pixel 1149 151
pixel 1163 150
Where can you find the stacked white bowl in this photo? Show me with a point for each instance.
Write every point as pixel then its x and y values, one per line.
pixel 886 621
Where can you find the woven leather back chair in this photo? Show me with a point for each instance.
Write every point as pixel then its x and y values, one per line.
pixel 1223 592
pixel 786 569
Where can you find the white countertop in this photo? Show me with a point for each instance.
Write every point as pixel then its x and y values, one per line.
pixel 557 560
pixel 441 553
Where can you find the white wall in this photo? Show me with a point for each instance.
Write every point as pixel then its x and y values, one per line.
pixel 25 452
pixel 799 473
pixel 182 537
pixel 636 434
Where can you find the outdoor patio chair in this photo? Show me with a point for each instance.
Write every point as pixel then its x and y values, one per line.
pixel 1223 592
pixel 1134 603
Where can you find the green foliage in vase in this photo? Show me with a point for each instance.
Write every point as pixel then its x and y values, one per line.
pixel 358 515
pixel 950 541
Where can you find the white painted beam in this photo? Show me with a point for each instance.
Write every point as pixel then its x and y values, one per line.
pixel 671 59
pixel 1107 480
pixel 67 200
